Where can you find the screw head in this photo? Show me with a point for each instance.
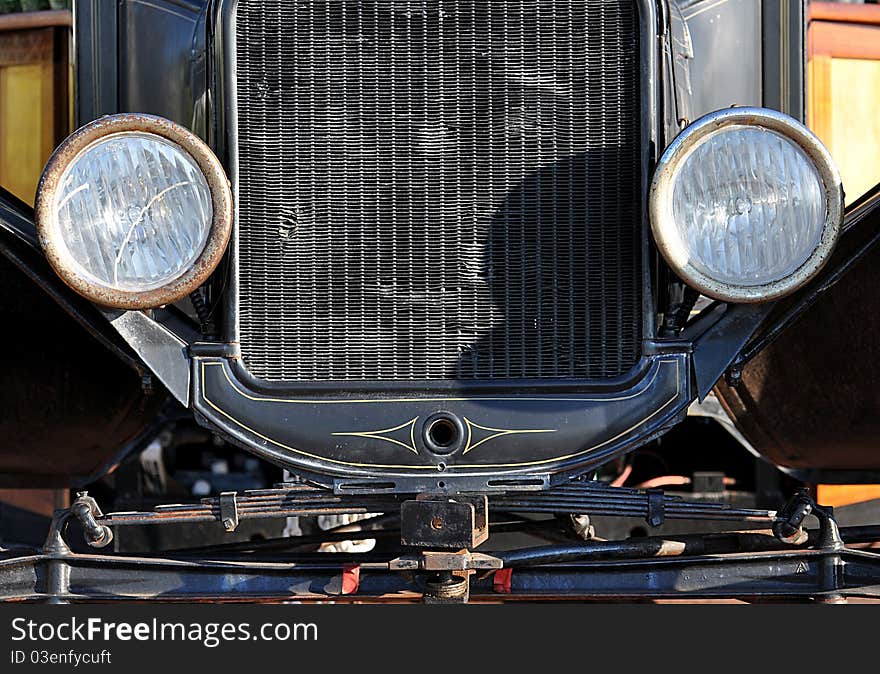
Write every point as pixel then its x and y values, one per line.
pixel 733 377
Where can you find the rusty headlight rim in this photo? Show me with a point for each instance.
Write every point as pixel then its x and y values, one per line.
pixel 660 198
pixel 221 202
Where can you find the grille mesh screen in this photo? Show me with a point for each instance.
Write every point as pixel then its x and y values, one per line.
pixel 439 189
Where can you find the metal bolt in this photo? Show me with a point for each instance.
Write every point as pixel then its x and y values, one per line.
pixel 733 377
pixel 437 523
pixel 147 384
pixel 228 524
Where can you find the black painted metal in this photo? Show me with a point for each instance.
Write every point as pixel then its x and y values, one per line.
pixel 17 220
pixel 595 498
pixel 729 564
pixel 457 522
pixel 96 59
pixel 717 347
pixel 784 57
pixel 524 435
pixel 18 243
pixel 862 236
pixel 726 338
pixel 134 56
pixel 786 575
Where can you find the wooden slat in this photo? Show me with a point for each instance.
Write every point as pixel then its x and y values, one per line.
pixel 26 126
pixel 34 110
pixel 26 46
pixel 855 123
pixel 40 501
pixel 845 12
pixel 845 40
pixel 839 495
pixel 29 20
pixel 819 103
pixel 844 89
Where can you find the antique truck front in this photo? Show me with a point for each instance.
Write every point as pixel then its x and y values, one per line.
pixel 416 238
pixel 439 249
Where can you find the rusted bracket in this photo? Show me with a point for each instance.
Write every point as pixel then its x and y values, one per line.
pixel 229 511
pixel 461 560
pixel 789 528
pixel 448 573
pixel 431 521
pixel 87 512
pixel 656 515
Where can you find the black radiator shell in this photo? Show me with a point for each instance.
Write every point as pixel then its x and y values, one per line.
pixel 528 429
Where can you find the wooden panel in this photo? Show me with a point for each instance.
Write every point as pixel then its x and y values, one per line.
pixel 855 123
pixel 34 106
pixel 26 127
pixel 844 12
pixel 819 99
pixel 843 103
pixel 843 84
pixel 842 111
pixel 839 495
pixel 845 40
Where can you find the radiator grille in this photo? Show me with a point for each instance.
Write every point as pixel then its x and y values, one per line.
pixel 439 189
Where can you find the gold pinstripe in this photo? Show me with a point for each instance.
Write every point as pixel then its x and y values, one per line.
pixel 524 464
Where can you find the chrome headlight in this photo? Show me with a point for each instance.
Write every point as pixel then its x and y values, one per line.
pixel 133 211
pixel 746 205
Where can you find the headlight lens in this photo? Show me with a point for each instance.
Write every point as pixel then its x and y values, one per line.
pixel 128 209
pixel 746 205
pixel 132 211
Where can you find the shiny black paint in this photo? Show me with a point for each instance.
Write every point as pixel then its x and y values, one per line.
pixel 154 57
pixel 738 565
pixel 240 410
pixel 72 400
pixel 380 436
pixel 803 392
pixel 141 56
pixel 18 243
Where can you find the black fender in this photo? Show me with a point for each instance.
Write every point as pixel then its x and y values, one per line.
pixel 72 400
pixel 805 392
